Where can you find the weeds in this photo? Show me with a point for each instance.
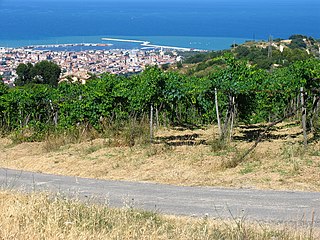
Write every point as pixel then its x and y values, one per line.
pixel 129 133
pixel 250 167
pixel 26 134
pixel 40 216
pixel 230 163
pixel 295 154
pixel 293 150
pixel 218 145
pixel 224 148
pixel 116 135
pixel 93 148
pixel 233 160
pixel 158 149
pixel 54 140
pixel 314 150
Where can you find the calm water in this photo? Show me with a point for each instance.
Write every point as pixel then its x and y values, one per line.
pixel 203 24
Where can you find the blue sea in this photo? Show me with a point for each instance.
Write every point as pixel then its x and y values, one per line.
pixel 200 24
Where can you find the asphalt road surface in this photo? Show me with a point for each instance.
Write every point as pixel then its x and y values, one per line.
pixel 276 206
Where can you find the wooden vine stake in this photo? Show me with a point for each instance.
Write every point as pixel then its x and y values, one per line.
pixel 217 110
pixel 151 123
pixel 304 117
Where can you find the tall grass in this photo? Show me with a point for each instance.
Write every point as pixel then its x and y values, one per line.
pixel 56 139
pixel 39 216
pixel 119 133
pixel 127 133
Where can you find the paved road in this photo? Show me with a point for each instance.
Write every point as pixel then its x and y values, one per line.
pixel 282 206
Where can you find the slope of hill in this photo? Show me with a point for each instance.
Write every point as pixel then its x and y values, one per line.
pixel 179 156
pixel 263 54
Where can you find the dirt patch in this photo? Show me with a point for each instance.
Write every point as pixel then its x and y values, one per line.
pixel 182 157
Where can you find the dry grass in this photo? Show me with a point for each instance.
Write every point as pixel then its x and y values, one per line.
pixel 38 216
pixel 180 156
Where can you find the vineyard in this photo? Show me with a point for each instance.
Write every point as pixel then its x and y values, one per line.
pixel 239 125
pixel 233 92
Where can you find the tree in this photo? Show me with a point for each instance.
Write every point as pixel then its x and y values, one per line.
pixel 46 72
pixel 24 74
pixel 298 41
pixel 43 72
pixel 297 36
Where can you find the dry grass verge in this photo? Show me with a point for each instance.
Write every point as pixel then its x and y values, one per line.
pixel 38 216
pixel 180 157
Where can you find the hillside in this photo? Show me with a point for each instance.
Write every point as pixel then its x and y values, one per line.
pixel 168 127
pixel 179 156
pixel 263 54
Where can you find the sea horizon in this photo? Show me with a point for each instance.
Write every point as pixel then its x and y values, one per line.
pixel 208 25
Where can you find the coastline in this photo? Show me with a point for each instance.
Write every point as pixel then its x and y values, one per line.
pixel 71 45
pixel 184 42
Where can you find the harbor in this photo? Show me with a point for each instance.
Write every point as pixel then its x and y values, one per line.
pixel 70 45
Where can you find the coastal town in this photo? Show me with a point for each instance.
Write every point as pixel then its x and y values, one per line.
pixel 80 65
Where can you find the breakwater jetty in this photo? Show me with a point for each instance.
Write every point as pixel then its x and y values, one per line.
pixel 148 44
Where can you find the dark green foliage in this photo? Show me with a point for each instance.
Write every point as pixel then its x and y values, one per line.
pixel 43 72
pixel 297 43
pixel 24 74
pixel 259 56
pixel 201 57
pixel 289 56
pixel 253 95
pixel 3 88
pixel 297 36
pixel 165 66
pixel 179 65
pixel 46 72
